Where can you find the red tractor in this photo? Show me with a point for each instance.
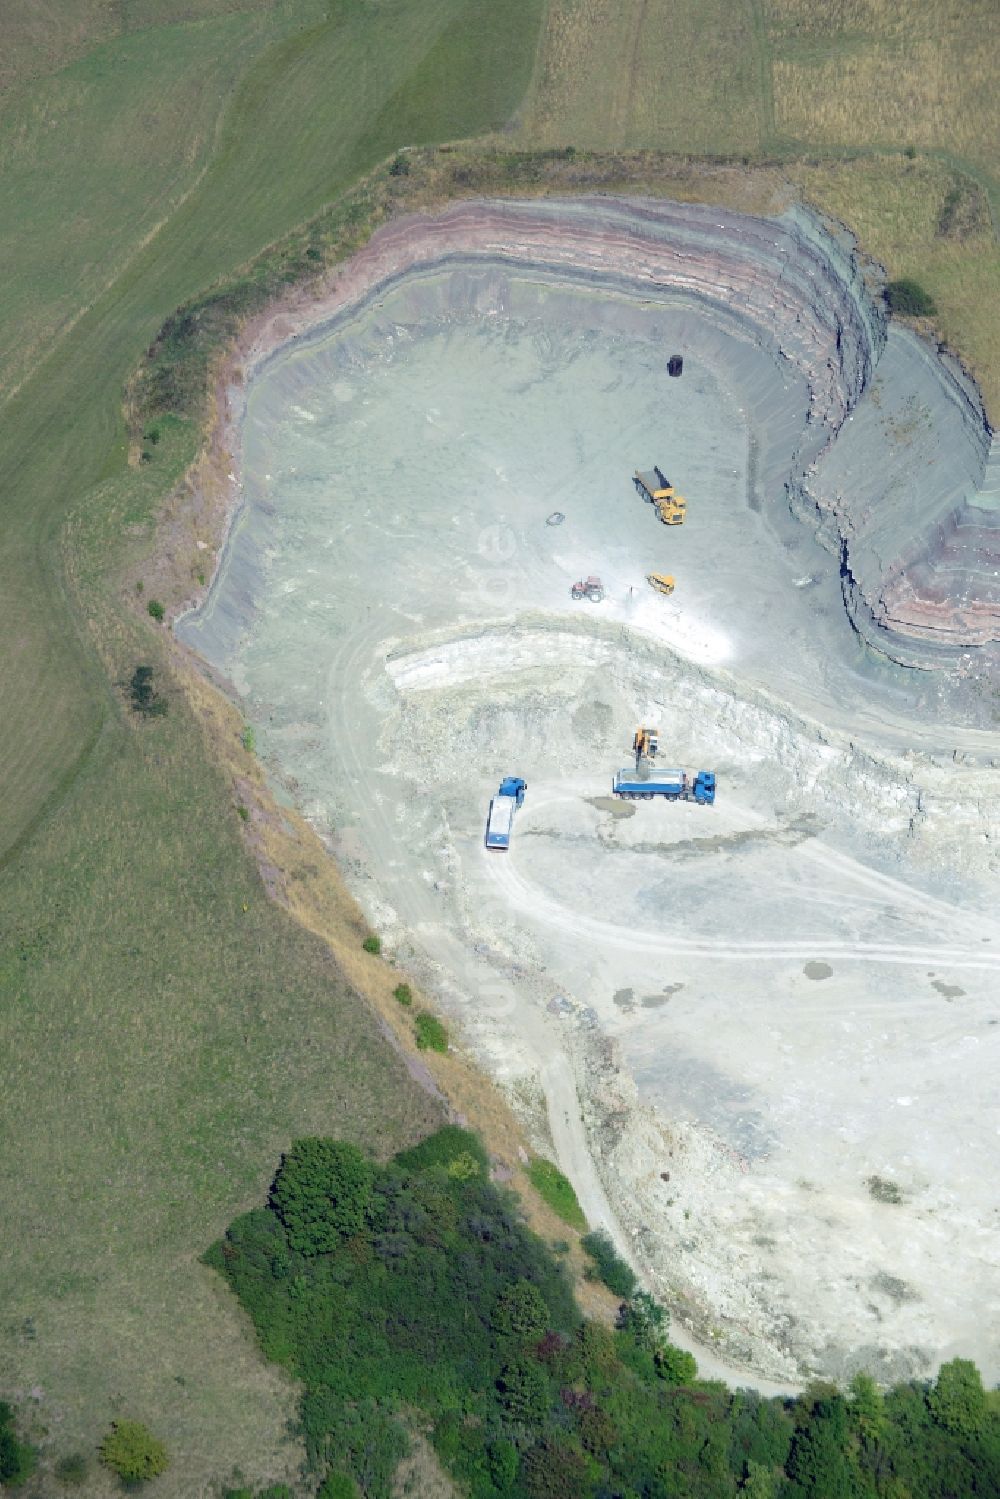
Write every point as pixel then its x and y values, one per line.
pixel 590 588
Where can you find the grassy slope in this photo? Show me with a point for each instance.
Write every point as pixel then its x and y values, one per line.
pixel 44 36
pixel 845 85
pixel 93 158
pixel 161 1039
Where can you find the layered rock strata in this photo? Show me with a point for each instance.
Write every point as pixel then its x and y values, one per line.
pixel 892 463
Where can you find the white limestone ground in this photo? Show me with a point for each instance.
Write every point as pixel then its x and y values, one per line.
pixel 740 1029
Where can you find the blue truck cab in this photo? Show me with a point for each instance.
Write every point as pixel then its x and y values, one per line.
pixel 703 789
pixel 500 823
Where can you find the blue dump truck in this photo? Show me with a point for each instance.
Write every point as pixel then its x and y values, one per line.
pixel 502 809
pixel 673 784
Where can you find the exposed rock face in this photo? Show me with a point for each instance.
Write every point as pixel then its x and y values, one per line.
pixel 912 487
pixel 893 461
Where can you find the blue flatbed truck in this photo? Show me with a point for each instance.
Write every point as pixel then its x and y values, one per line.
pixel 672 784
pixel 502 808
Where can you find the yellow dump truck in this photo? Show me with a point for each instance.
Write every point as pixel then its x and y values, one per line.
pixel 673 511
pixel 653 486
pixel 657 488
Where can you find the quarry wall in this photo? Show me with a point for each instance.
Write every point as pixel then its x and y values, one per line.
pixel 893 464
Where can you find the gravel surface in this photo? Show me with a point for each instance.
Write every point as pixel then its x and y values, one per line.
pixel 732 1026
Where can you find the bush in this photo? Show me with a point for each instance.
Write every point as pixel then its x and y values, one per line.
pixel 457 1151
pixel 338 1485
pixel 524 1392
pixel 431 1034
pixel 249 739
pixel 883 1190
pixel 72 1470
pixel 131 1451
pixel 399 167
pixel 644 1320
pixel 143 695
pixel 372 944
pixel 675 1365
pixel 557 1190
pixel 275 1491
pixel 609 1266
pixel 17 1459
pixel 404 994
pixel 520 1312
pixel 909 298
pixel 156 610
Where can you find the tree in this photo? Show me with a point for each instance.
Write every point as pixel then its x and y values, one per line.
pixel 503 1464
pixel 817 1464
pixel 675 1365
pixel 758 1482
pixel 321 1193
pixel 131 1451
pixel 520 1312
pixel 554 1470
pixel 760 1431
pixel 644 1320
pixel 958 1401
pixel 524 1392
pixel 867 1408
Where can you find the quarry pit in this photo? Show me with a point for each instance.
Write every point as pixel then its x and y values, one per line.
pixel 761 1037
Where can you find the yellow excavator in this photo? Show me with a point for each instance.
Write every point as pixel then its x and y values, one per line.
pixel 662 582
pixel 645 744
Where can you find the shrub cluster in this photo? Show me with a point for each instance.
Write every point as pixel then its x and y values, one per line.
pixel 909 298
pixel 609 1265
pixel 17 1458
pixel 132 1451
pixel 416 1289
pixel 430 1033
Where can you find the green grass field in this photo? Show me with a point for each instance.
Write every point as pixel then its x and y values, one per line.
pixel 165 1028
pixel 557 1190
pixel 95 157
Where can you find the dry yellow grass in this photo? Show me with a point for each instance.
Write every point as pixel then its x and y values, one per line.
pixel 936 92
pixel 901 211
pixel 681 75
pixel 910 91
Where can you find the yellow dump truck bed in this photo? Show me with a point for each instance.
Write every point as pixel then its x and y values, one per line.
pixel 654 485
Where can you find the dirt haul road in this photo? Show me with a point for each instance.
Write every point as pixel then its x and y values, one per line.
pixel 761 1037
